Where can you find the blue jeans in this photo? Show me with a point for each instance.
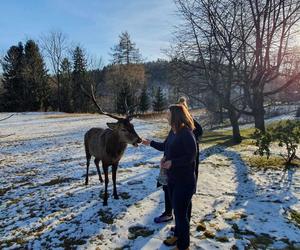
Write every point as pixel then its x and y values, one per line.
pixel 181 196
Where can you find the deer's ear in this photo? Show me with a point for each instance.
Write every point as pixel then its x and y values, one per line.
pixel 112 125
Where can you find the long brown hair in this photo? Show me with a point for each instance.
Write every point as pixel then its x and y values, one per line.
pixel 181 117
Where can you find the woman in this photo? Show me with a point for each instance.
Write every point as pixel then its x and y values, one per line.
pixel 167 214
pixel 180 165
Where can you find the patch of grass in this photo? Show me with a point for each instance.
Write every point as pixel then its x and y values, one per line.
pixel 238 232
pixel 261 241
pixel 234 216
pixel 224 137
pixel 64 116
pixel 222 239
pixel 123 247
pixel 201 226
pixel 294 216
pixel 124 195
pixel 136 231
pixel 56 181
pixel 262 162
pixel 209 234
pixel 13 201
pixel 17 240
pixel 4 190
pixel 151 115
pixel 72 243
pixel 106 216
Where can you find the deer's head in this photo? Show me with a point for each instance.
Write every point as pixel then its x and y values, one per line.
pixel 123 126
pixel 126 131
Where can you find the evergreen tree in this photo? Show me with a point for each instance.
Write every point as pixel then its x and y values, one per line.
pixel 126 52
pixel 66 85
pixel 159 102
pixel 35 78
pixel 13 83
pixel 79 78
pixel 124 98
pixel 144 101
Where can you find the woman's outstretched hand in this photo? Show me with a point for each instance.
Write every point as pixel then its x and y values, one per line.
pixel 146 142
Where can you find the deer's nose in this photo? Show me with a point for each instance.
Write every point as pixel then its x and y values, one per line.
pixel 139 140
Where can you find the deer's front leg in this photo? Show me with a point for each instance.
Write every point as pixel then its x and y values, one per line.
pixel 105 170
pixel 114 177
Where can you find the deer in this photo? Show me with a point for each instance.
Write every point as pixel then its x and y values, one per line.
pixel 108 145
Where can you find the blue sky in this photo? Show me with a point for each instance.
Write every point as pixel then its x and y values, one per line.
pixel 95 24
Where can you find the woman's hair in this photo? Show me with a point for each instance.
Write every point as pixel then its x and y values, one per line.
pixel 182 100
pixel 180 117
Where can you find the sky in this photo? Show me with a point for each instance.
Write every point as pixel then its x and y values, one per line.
pixel 94 24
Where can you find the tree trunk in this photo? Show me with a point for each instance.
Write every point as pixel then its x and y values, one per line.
pixel 259 112
pixel 58 92
pixel 233 117
pixel 221 114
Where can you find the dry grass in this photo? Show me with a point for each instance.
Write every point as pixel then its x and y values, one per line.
pixel 66 115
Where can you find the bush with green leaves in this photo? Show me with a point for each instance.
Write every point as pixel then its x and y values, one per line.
pixel 286 134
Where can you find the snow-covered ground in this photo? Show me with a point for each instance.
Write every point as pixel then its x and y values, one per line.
pixel 44 203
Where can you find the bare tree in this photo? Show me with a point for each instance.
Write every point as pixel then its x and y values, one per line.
pixel 55 46
pixel 267 57
pixel 208 48
pixel 239 49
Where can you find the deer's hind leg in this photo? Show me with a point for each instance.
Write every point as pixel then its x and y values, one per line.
pixel 88 159
pixel 98 169
pixel 105 170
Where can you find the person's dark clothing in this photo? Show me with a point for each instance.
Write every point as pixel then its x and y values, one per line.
pixel 181 197
pixel 164 146
pixel 198 132
pixel 182 153
pixel 168 204
pixel 182 182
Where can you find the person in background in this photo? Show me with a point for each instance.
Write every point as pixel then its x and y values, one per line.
pixel 198 132
pixel 162 178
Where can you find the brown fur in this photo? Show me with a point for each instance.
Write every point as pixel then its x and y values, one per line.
pixel 108 145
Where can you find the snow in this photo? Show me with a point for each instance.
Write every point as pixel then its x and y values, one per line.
pixel 44 203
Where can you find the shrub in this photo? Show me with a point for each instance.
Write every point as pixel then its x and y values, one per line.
pixel 285 134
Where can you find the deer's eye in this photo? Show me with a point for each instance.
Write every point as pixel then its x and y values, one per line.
pixel 124 130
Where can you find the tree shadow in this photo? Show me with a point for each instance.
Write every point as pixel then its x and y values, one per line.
pixel 69 213
pixel 258 209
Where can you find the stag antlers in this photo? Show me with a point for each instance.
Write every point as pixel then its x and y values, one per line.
pixel 92 96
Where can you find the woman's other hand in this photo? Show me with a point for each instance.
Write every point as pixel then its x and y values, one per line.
pixel 146 142
pixel 162 161
pixel 166 165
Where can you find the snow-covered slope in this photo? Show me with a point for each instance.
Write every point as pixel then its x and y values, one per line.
pixel 44 203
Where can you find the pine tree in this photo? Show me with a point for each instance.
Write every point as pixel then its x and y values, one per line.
pixel 79 78
pixel 66 85
pixel 159 103
pixel 125 97
pixel 144 103
pixel 126 52
pixel 13 83
pixel 35 78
